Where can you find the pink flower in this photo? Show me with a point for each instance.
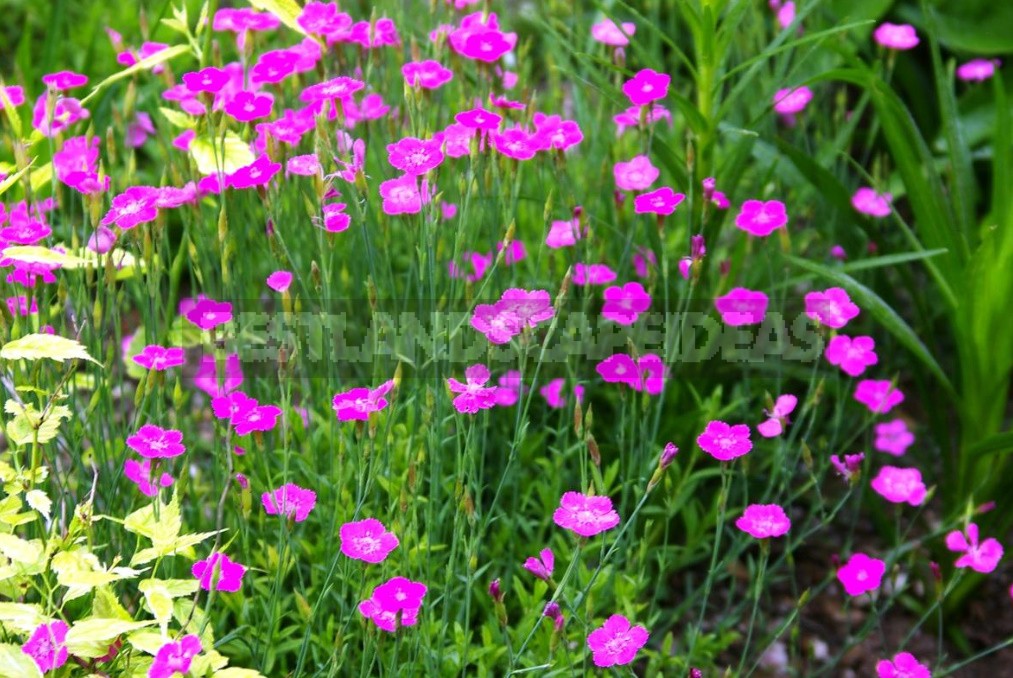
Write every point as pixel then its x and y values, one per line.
pixel 904 665
pixel 515 143
pixel 646 86
pixel 652 374
pixel 510 387
pixel 136 205
pixel 530 306
pixel 741 306
pixel 488 45
pixel 206 378
pixel 867 201
pixel 880 396
pixel 773 426
pixel 367 540
pixel 289 500
pixel 608 33
pixel 977 70
pixel 893 437
pixel 861 574
pixel 585 515
pixel 257 173
pixel 426 74
pixel 279 281
pixel 764 521
pixel 615 643
pixel 724 442
pixel 219 572
pixel 564 233
pixel 852 355
pixel 619 368
pixel 14 94
pixel 46 646
pixel 542 566
pixel 402 196
pixel 174 658
pixel 247 106
pixel 474 395
pixel 832 307
pixel 592 274
pixel 786 14
pixel 340 88
pixel 761 218
pixel 635 175
pixel 395 602
pixel 894 36
pixel 479 118
pixel 981 557
pixel 663 200
pixel 157 358
pixel 139 473
pixel 850 466
pixel 154 442
pixel 899 485
pixel 64 80
pixel 336 219
pixel 64 113
pixel 304 165
pixel 631 117
pixel 553 393
pixel 643 259
pixel 624 304
pixel 244 19
pixel 552 132
pixel 208 313
pixel 208 79
pixel 321 18
pixel 792 101
pixel 498 323
pixel 256 418
pixel 359 403
pixel 415 156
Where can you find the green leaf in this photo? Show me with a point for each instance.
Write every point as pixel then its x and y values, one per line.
pixel 22 616
pixel 51 346
pixel 142 65
pixel 34 254
pixel 881 311
pixel 28 423
pixel 13 179
pixel 233 153
pixel 178 119
pixel 91 637
pixel 999 442
pixel 16 664
pixel 890 260
pixel 286 10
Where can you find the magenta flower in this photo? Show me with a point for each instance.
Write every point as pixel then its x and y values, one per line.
pixel 289 500
pixel 323 18
pixel 206 378
pixel 904 665
pixel 899 485
pixel 861 574
pixel 244 19
pixel 764 521
pixel 219 572
pixel 174 658
pixel 867 201
pixel 636 175
pixel 778 417
pixel 608 33
pixel 530 306
pixel 402 195
pixel 542 566
pixel 15 95
pixel 474 395
pixel 585 515
pixel 136 205
pixel 479 118
pixel 616 643
pixel 832 307
pixel 564 234
pixel 359 403
pixel 619 369
pixel 208 79
pixel 154 442
pixel 426 74
pixel 761 218
pixel 208 313
pixel 64 80
pixel 980 557
pixel 498 323
pixel 158 358
pixel 852 355
pixel 880 396
pixel 792 101
pixel 515 143
pixel 894 36
pixel 592 274
pixel 256 418
pixel 395 602
pixel 977 70
pixel 725 442
pixel 257 173
pixel 415 156
pixel 741 306
pixel 631 117
pixel 510 388
pixel 279 281
pixel 552 132
pixel 893 437
pixel 367 540
pixel 64 113
pixel 624 304
pixel 487 46
pixel 248 106
pixel 232 405
pixel 340 88
pixel 663 200
pixel 46 646
pixel 646 86
pixel 304 165
pixel 139 473
pixel 850 466
pixel 553 393
pixel 652 374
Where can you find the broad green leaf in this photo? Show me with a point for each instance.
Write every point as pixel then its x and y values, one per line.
pixel 286 10
pixel 106 604
pixel 16 664
pixel 162 531
pixel 890 260
pixel 39 501
pixel 81 571
pixel 28 424
pixel 1000 442
pixel 91 637
pixel 11 514
pixel 21 616
pixel 13 179
pixel 232 152
pixel 869 301
pixel 142 65
pixel 20 550
pixel 51 346
pixel 34 254
pixel 178 119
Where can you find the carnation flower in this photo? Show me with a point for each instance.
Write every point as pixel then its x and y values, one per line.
pixel 861 574
pixel 395 602
pixel 778 417
pixel 900 485
pixel 646 86
pixel 47 647
pixel 219 572
pixel 367 540
pixel 616 643
pixel 608 33
pixel 725 442
pixel 474 395
pixel 585 515
pixel 896 36
pixel 624 304
pixel 893 437
pixel 980 557
pixel 761 218
pixel 880 396
pixel 764 521
pixel 289 500
pixel 903 665
pixel 174 658
pixel 853 356
pixel 636 175
pixel 832 307
pixel 867 201
pixel 542 566
pixel 154 442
